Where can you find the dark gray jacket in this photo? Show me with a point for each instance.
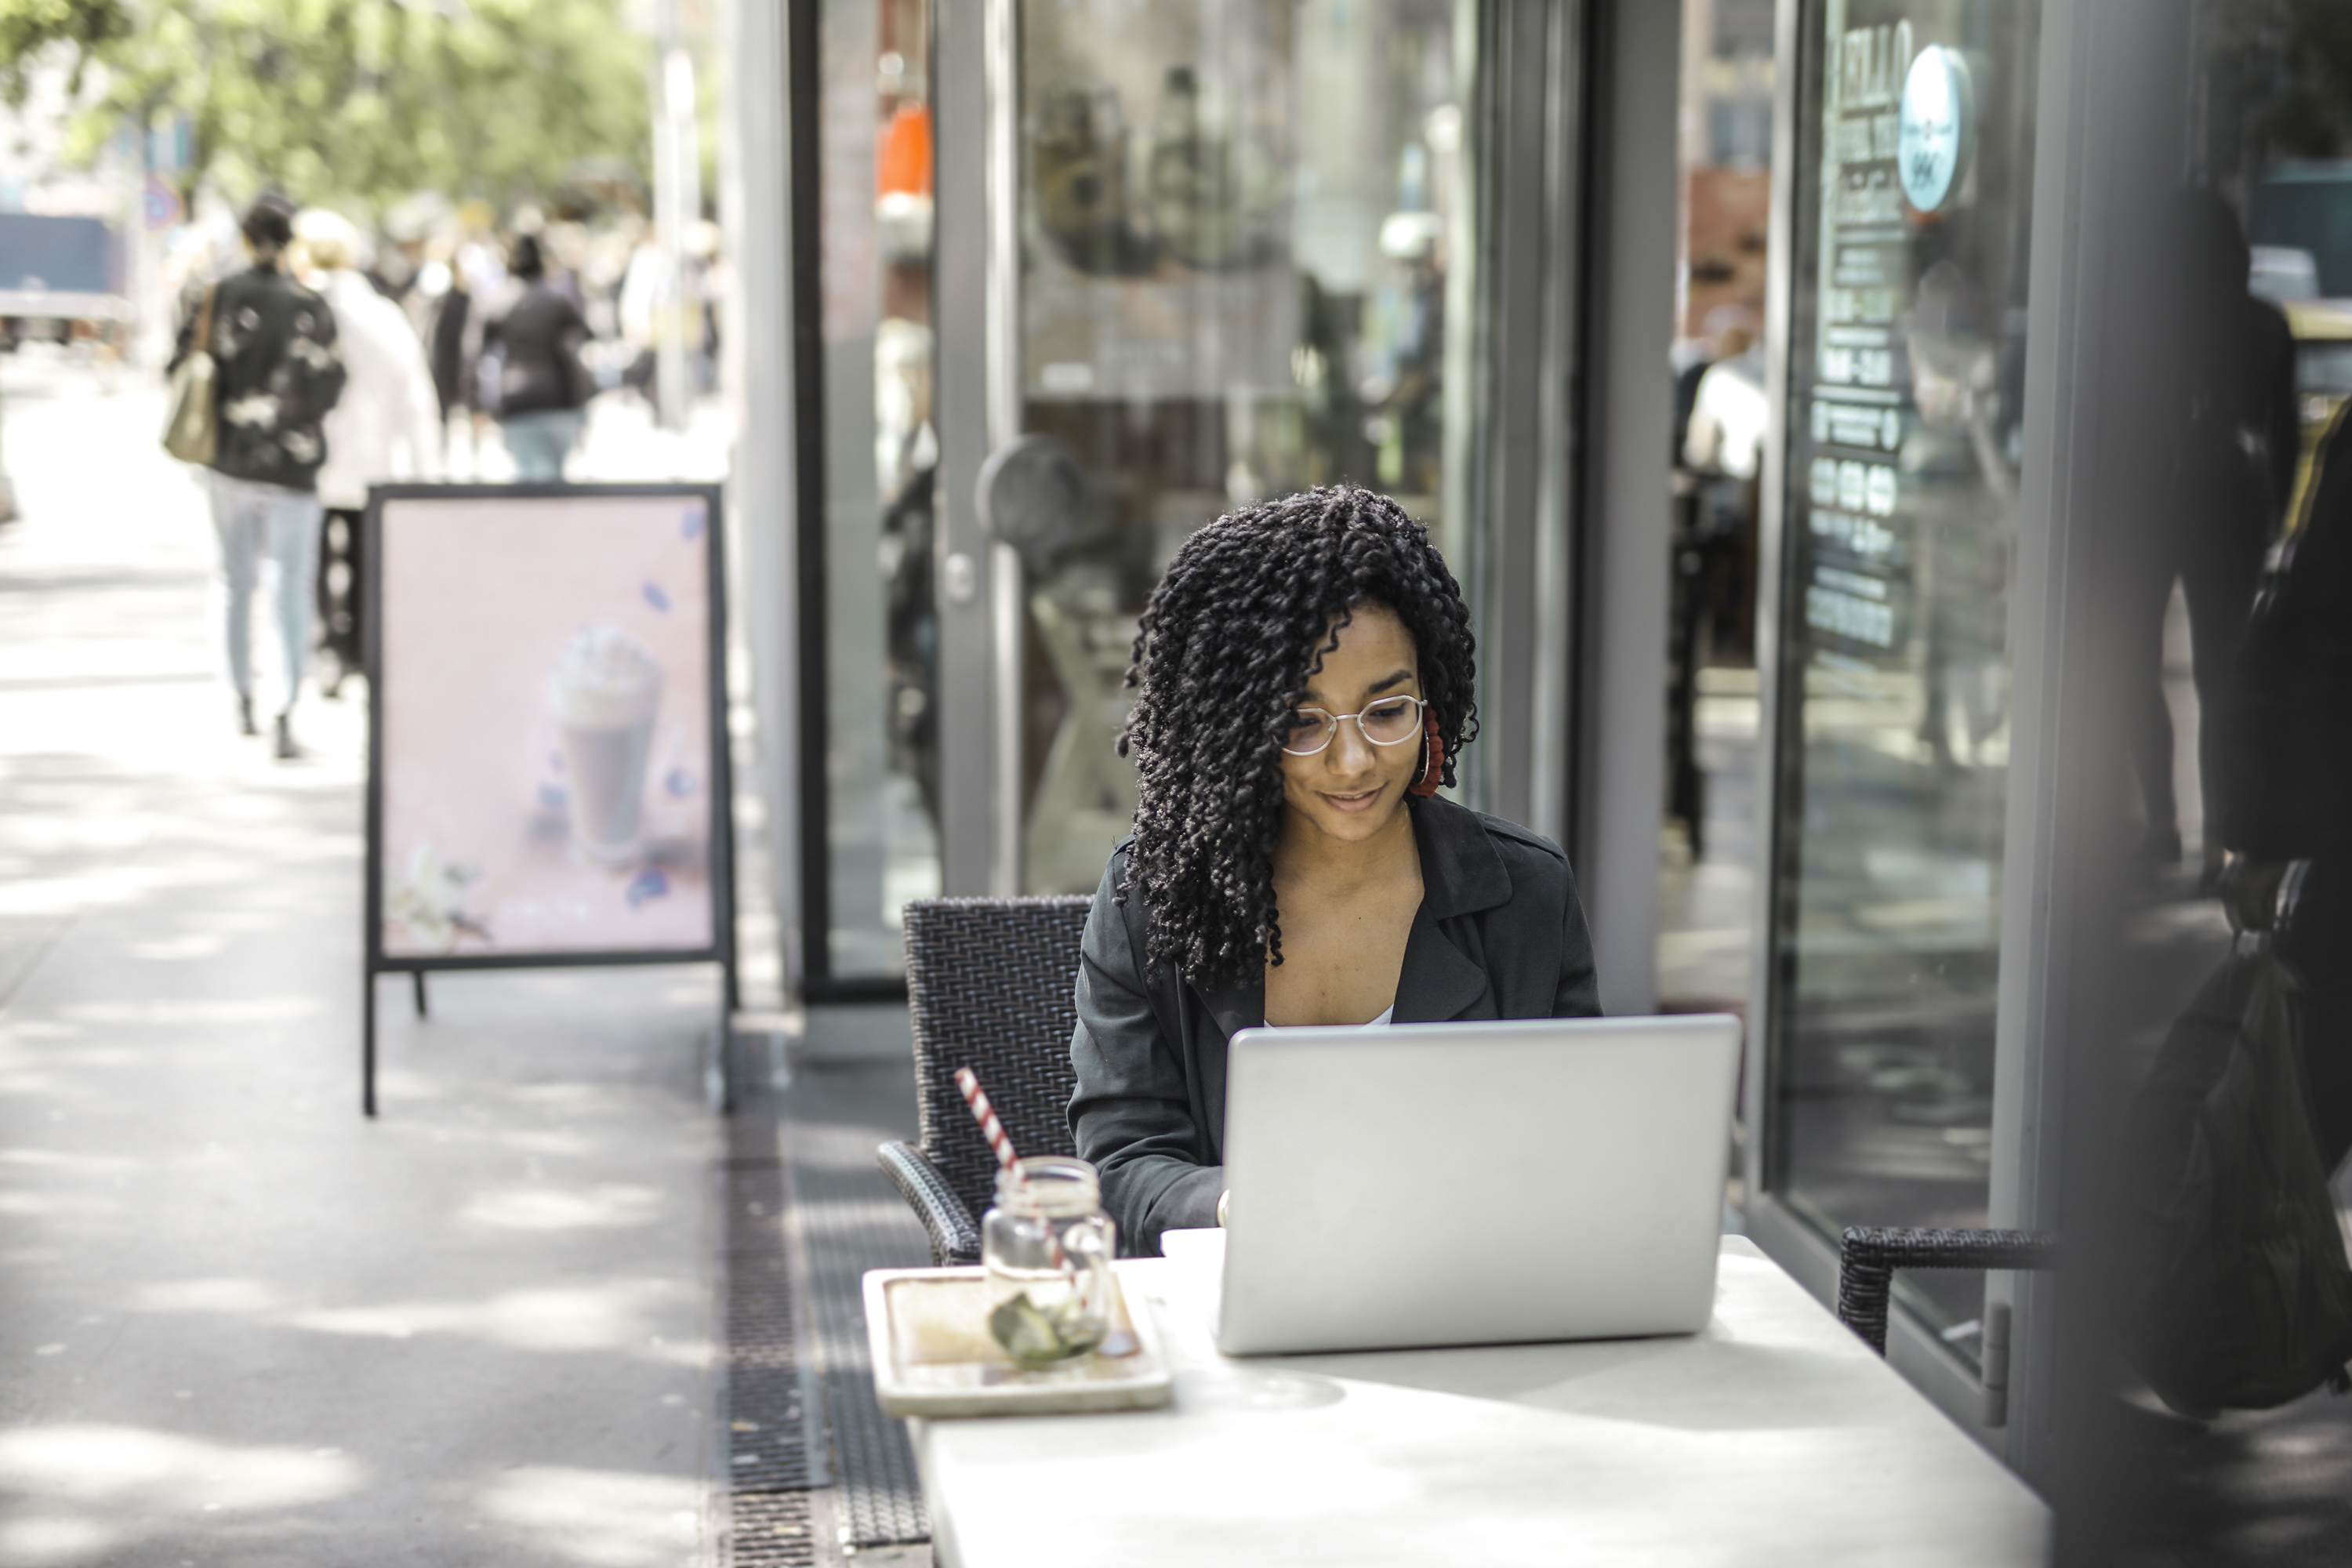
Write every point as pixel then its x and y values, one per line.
pixel 1499 934
pixel 277 375
pixel 537 337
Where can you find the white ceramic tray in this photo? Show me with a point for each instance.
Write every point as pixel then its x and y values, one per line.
pixel 927 1329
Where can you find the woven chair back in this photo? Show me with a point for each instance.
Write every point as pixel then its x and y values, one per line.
pixel 991 985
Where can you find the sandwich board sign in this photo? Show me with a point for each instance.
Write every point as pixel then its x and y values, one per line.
pixel 548 779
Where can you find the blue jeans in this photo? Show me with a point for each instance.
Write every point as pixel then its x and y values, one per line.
pixel 253 519
pixel 539 442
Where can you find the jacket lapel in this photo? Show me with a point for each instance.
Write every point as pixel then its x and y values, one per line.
pixel 1232 1008
pixel 1459 875
pixel 1439 981
pixel 1235 1008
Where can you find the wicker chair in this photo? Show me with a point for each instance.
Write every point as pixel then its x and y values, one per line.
pixel 990 984
pixel 1868 1258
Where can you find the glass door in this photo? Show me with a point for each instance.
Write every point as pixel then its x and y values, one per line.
pixel 867 457
pixel 1905 364
pixel 1243 243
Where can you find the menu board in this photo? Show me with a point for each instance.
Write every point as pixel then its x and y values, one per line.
pixel 1906 381
pixel 1858 593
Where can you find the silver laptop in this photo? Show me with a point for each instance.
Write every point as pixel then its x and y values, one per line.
pixel 1474 1184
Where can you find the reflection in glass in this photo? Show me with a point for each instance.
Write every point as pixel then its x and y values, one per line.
pixel 1242 229
pixel 880 629
pixel 1907 354
pixel 2251 362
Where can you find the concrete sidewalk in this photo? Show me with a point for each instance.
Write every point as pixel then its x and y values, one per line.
pixel 244 1326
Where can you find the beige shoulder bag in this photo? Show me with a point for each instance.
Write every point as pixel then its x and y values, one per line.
pixel 191 428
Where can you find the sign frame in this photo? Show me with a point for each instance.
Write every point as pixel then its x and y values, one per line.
pixel 722 949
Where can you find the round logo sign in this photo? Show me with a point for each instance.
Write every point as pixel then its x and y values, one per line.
pixel 1934 127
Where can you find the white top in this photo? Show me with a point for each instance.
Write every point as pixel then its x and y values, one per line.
pixel 387 424
pixel 1388 1016
pixel 1773 1436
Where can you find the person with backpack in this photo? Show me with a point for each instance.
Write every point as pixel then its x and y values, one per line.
pixel 533 381
pixel 2242 1292
pixel 2290 798
pixel 275 375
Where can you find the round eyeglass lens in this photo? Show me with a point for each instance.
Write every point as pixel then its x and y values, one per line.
pixel 1308 729
pixel 1391 720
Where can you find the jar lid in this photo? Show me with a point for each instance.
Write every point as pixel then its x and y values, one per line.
pixel 1053 1186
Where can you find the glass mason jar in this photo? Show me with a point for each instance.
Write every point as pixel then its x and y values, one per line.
pixel 1048 1246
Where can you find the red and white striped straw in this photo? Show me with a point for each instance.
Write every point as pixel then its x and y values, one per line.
pixel 985 1114
pixel 993 1130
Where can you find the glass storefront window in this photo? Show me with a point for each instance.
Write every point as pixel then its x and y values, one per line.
pixel 1906 350
pixel 874 227
pixel 1245 234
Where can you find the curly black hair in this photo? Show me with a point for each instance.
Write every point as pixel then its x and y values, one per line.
pixel 1225 650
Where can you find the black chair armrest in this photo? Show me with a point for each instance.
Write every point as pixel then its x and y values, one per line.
pixel 955 1237
pixel 1868 1258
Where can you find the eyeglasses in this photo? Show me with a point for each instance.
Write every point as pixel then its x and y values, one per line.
pixel 1390 721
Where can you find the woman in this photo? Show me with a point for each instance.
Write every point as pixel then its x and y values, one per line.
pixel 278 370
pixel 1305 677
pixel 386 425
pixel 532 376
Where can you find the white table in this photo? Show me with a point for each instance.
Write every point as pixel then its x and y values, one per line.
pixel 1775 1437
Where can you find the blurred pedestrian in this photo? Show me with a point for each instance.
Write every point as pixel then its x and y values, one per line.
pixel 447 311
pixel 386 427
pixel 643 296
pixel 278 374
pixel 533 379
pixel 2232 445
pixel 2288 769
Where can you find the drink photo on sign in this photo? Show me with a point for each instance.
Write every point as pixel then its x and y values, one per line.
pixel 544 747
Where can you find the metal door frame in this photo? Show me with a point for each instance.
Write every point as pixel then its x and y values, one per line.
pixel 974 293
pixel 1530 144
pixel 1621 417
pixel 2108 150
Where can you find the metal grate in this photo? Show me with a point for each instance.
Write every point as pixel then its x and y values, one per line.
pixel 851 1220
pixel 767 1439
pixel 798 1235
pixel 773 1444
pixel 771 1530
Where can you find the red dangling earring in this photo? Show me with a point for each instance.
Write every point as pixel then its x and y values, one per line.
pixel 1432 760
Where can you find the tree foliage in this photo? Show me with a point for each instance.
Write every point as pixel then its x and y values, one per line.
pixel 353 102
pixel 31 28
